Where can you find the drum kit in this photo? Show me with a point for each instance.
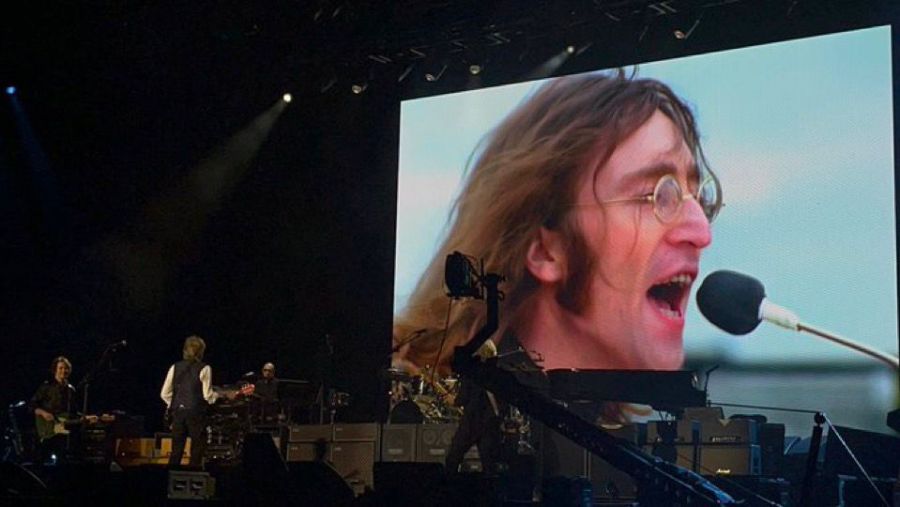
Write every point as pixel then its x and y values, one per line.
pixel 423 397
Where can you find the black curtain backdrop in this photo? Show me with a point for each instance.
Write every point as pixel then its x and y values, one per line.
pixel 123 101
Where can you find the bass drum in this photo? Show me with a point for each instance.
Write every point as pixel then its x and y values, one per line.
pixel 406 412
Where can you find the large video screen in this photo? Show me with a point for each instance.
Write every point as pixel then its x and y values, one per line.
pixel 799 135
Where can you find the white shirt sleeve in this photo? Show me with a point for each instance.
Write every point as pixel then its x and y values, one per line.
pixel 206 379
pixel 166 392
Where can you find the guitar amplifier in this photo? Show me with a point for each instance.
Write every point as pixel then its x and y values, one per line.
pixel 729 431
pixel 433 442
pixel 397 443
pixel 730 459
pixel 359 432
pixel 354 462
pixel 674 432
pixel 310 433
pixel 307 451
pixel 609 482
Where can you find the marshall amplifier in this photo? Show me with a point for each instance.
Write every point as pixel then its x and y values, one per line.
pixel 730 459
pixel 729 431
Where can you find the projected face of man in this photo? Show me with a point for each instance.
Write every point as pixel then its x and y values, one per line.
pixel 633 316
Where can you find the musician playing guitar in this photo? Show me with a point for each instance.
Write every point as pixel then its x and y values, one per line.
pixel 53 405
pixel 187 391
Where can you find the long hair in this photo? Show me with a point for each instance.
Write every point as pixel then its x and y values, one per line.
pixel 193 349
pixel 56 361
pixel 524 179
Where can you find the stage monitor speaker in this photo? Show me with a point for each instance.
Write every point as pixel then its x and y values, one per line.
pixel 317 484
pixel 397 443
pixel 354 461
pixel 433 442
pixel 184 485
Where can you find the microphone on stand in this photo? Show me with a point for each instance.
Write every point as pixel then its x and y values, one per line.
pixel 736 303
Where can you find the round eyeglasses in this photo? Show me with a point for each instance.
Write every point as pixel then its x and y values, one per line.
pixel 667 198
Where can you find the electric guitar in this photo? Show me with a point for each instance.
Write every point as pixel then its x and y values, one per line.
pixel 63 424
pixel 229 393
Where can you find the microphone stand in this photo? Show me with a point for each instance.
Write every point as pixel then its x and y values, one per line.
pixel 85 382
pixel 888 359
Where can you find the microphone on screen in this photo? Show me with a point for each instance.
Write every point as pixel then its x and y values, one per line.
pixel 736 303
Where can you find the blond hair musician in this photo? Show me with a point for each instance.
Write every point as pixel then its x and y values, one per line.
pixel 187 391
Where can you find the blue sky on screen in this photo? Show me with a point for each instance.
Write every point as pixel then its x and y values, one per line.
pixel 801 135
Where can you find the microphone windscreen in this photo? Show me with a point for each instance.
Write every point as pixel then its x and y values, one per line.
pixel 731 300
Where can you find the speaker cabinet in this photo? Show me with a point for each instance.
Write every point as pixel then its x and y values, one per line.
pixel 398 443
pixel 307 451
pixel 360 432
pixel 353 461
pixel 310 432
pixel 185 485
pixel 433 442
pixel 728 459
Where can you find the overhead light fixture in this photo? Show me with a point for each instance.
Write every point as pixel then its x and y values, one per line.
pixel 431 78
pixel 474 69
pixel 10 90
pixel 682 35
pixel 570 49
pixel 286 97
pixel 358 88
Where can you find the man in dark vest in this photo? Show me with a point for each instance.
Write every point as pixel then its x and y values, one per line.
pixel 187 391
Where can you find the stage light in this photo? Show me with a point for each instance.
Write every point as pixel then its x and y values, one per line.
pixel 682 35
pixel 431 78
pixel 286 97
pixel 474 69
pixel 570 50
pixel 10 90
pixel 359 88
